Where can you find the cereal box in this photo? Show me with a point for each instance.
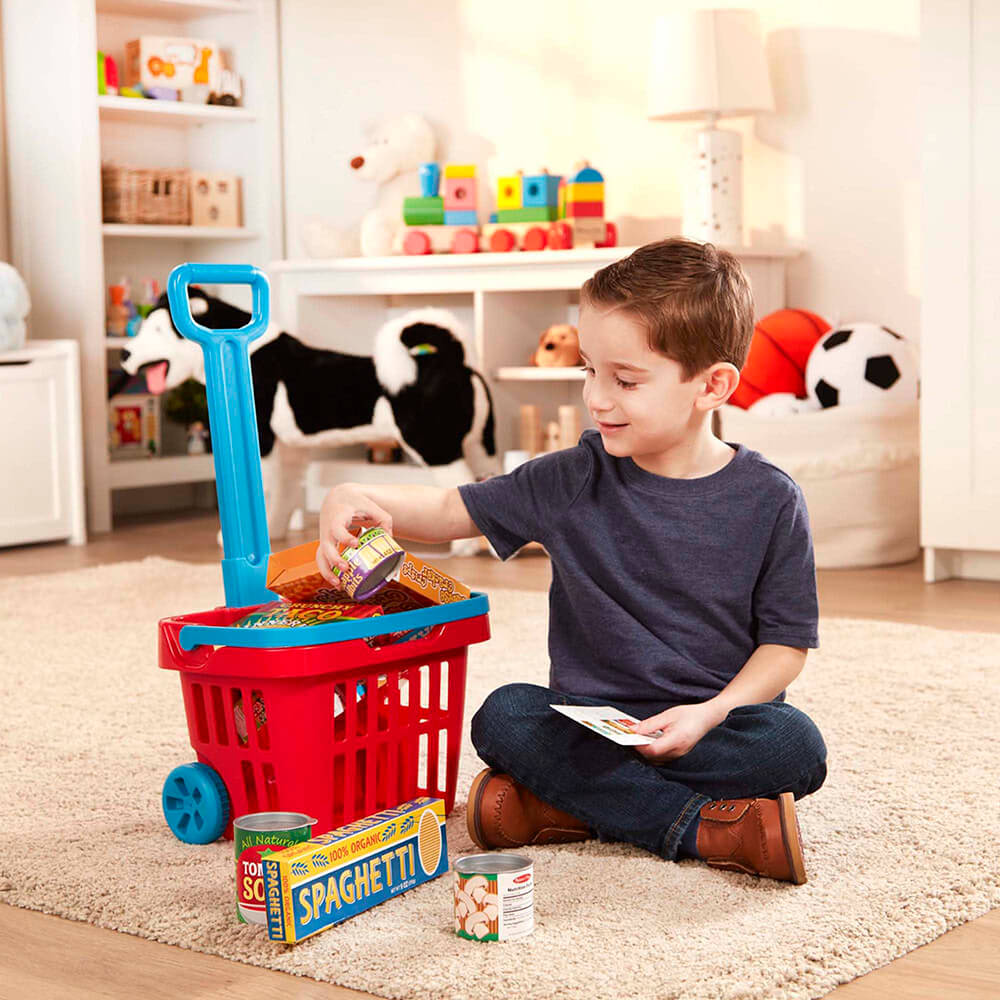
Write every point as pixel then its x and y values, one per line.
pixel 326 880
pixel 286 614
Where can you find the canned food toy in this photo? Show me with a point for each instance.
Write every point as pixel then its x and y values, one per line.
pixel 375 559
pixel 255 836
pixel 494 897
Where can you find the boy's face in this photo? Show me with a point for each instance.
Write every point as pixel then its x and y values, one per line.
pixel 637 398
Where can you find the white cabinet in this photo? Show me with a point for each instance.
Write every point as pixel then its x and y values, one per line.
pixel 41 453
pixel 960 310
pixel 505 301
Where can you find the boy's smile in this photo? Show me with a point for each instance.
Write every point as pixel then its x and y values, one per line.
pixel 640 401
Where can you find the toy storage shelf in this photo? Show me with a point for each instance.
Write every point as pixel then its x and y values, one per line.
pixel 176 10
pixel 118 229
pixel 133 472
pixel 61 244
pixel 504 300
pixel 141 111
pixel 529 374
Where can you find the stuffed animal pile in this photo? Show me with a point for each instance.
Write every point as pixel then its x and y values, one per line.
pixel 797 363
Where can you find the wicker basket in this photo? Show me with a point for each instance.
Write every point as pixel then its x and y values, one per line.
pixel 145 195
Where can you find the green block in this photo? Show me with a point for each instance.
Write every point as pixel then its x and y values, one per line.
pixel 423 211
pixel 541 213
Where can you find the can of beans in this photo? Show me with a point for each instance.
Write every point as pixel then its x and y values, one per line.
pixel 375 559
pixel 494 896
pixel 254 836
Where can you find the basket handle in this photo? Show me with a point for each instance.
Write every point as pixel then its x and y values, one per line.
pixel 233 421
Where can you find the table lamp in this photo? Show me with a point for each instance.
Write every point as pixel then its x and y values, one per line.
pixel 710 64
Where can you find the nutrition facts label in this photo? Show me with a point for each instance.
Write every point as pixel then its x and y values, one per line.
pixel 517 904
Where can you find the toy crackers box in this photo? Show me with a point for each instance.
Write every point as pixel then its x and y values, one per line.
pixel 326 880
pixel 292 573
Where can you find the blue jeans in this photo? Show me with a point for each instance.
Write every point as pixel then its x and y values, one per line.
pixel 758 751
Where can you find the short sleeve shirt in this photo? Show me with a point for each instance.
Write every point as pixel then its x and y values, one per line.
pixel 662 588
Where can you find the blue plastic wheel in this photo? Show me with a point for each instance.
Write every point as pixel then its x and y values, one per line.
pixel 195 803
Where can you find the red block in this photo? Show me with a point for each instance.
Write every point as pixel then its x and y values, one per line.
pixel 585 209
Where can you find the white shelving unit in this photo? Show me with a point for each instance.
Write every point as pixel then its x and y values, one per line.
pixel 59 132
pixel 504 300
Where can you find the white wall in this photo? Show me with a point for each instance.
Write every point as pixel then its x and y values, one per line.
pixel 525 84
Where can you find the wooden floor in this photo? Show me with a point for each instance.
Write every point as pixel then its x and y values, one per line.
pixel 43 956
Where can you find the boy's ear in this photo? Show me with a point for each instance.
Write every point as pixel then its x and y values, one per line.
pixel 719 382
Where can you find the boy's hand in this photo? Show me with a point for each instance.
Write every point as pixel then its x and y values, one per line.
pixel 683 726
pixel 344 509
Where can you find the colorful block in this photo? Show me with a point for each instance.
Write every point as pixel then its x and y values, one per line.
pixel 453 217
pixel 459 193
pixel 584 209
pixel 585 191
pixel 423 211
pixel 585 175
pixel 537 213
pixel 430 179
pixel 540 189
pixel 509 192
pixel 460 170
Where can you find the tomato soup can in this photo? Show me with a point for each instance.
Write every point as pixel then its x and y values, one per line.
pixel 375 559
pixel 255 836
pixel 494 897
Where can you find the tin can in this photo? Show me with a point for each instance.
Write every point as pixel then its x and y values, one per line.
pixel 494 896
pixel 375 559
pixel 254 836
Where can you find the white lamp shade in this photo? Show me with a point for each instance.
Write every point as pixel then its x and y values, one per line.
pixel 708 62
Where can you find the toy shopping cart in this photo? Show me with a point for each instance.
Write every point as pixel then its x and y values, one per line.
pixel 311 719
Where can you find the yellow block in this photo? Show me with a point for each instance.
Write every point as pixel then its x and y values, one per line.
pixel 460 170
pixel 586 191
pixel 509 192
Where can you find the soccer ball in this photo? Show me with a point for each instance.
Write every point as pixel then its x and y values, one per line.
pixel 861 363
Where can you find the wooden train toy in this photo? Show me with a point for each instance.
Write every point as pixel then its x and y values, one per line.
pixel 534 212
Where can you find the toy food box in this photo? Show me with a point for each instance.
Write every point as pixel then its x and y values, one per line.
pixel 292 573
pixel 339 874
pixel 162 61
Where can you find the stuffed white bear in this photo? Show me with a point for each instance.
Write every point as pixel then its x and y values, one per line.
pixel 396 150
pixel 14 306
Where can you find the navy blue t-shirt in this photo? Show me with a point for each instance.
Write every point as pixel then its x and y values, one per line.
pixel 661 588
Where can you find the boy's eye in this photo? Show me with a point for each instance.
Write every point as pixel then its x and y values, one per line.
pixel 624 384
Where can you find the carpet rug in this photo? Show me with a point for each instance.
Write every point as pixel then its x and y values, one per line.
pixel 899 842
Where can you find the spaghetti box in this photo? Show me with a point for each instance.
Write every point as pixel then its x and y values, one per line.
pixel 326 880
pixel 293 574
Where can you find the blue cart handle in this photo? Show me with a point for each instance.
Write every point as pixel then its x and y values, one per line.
pixel 233 424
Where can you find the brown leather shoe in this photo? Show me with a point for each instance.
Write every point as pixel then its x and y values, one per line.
pixel 502 813
pixel 754 836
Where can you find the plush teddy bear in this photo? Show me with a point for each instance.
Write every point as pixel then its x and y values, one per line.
pixel 390 161
pixel 558 347
pixel 14 306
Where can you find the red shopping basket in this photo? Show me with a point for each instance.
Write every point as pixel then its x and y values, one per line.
pixel 310 719
pixel 337 730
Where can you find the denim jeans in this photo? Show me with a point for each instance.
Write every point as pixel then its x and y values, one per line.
pixel 757 751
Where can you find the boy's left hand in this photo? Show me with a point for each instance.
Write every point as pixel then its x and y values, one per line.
pixel 683 726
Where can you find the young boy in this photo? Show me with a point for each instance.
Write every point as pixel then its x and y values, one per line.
pixel 683 590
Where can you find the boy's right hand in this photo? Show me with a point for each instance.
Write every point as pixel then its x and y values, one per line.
pixel 345 508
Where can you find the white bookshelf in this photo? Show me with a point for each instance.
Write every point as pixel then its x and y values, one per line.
pixel 505 301
pixel 66 253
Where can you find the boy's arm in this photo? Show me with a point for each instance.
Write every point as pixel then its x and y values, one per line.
pixel 419 513
pixel 770 669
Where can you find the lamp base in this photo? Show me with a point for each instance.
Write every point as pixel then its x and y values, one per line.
pixel 713 204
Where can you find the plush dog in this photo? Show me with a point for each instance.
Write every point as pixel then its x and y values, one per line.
pixel 390 161
pixel 418 389
pixel 558 347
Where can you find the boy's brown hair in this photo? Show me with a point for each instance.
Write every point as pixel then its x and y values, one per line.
pixel 693 298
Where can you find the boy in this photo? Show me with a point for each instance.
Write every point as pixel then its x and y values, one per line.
pixel 683 590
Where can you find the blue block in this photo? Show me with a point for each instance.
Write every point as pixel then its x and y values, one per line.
pixel 430 179
pixel 461 217
pixel 588 175
pixel 540 191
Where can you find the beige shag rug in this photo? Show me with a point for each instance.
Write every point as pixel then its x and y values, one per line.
pixel 900 843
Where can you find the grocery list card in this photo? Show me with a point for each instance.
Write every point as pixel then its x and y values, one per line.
pixel 611 723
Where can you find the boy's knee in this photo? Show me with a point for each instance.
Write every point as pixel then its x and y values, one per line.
pixel 810 751
pixel 502 707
